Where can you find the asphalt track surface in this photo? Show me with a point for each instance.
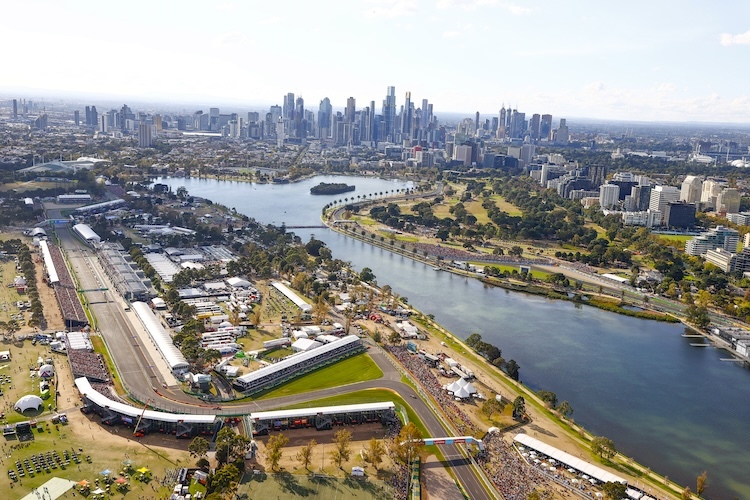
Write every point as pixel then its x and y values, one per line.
pixel 144 382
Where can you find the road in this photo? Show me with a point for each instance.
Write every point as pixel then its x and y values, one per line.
pixel 144 382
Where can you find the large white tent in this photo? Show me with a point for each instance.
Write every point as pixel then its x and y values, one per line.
pixel 29 402
pixel 46 371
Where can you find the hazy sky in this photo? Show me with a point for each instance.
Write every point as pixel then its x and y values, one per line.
pixel 677 60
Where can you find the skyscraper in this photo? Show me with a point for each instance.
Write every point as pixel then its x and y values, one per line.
pixel 325 110
pixel 406 118
pixel 389 115
pixel 15 108
pixel 144 135
pixel 562 133
pixel 535 126
pixel 545 127
pixel 289 106
pixel 77 117
pixel 501 124
pixel 351 108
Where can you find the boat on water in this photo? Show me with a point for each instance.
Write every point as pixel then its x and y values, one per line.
pixel 437 268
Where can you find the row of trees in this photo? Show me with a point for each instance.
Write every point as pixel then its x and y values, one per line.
pixel 493 354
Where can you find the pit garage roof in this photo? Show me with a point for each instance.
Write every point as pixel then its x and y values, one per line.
pixel 86 232
pixel 84 387
pixel 587 468
pixel 322 410
pixel 174 358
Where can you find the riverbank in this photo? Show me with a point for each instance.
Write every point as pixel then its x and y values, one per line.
pixel 538 288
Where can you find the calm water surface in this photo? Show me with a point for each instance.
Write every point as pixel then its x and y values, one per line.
pixel 675 408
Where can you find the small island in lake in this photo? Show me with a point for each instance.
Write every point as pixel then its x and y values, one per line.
pixel 331 188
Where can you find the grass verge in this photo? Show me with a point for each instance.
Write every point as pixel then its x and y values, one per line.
pixel 358 368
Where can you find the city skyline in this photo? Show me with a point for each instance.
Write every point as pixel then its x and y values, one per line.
pixel 649 62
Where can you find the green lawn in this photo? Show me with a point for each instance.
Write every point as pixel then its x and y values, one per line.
pixel 542 275
pixel 503 205
pixel 355 369
pixel 366 396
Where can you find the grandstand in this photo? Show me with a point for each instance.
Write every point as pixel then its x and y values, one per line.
pixel 142 420
pixel 100 207
pixel 65 290
pixel 323 418
pixel 296 365
pixel 49 265
pixel 161 339
pixel 289 294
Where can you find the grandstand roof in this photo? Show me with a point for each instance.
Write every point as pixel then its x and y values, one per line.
pixel 174 358
pixel 587 468
pixel 48 263
pixel 322 410
pixel 97 206
pixel 297 359
pixel 291 295
pixel 84 387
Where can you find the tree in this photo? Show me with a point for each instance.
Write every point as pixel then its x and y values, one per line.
pixel 604 447
pixel 305 454
pixel 198 447
pixel 377 337
pixel 273 449
pixel 548 397
pixel 366 275
pixel 394 337
pixel 408 443
pixel 700 485
pixel 512 368
pixel 492 406
pixel 374 452
pixel 614 490
pixel 565 409
pixel 342 442
pixel 224 478
pixel 515 251
pixel 687 494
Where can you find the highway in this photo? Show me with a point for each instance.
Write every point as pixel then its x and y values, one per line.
pixel 145 383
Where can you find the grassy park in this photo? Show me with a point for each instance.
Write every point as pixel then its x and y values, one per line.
pixel 358 368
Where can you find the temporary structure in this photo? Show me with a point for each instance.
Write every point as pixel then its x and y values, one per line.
pixel 46 371
pixel 29 402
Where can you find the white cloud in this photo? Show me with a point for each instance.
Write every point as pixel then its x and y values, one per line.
pixel 740 39
pixel 515 9
pixel 594 88
pixel 226 6
pixel 666 87
pixel 451 34
pixel 230 39
pixel 270 20
pixel 391 8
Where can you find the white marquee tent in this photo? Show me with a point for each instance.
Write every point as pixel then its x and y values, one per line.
pixel 29 402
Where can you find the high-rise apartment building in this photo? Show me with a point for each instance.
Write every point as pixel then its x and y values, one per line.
pixel 609 196
pixel 535 126
pixel 144 135
pixel 690 190
pixel 660 196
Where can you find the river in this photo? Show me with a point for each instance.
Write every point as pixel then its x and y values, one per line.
pixel 675 408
